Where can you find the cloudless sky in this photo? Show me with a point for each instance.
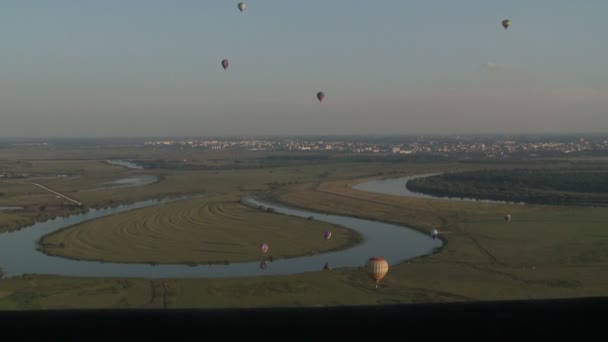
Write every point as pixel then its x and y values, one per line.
pixel 152 67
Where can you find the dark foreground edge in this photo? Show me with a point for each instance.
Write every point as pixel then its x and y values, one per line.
pixel 527 318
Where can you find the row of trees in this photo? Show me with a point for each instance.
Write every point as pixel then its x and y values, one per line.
pixel 555 186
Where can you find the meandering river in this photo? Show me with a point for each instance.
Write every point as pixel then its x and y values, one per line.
pixel 19 254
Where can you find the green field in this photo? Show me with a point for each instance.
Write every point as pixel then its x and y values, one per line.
pixel 197 231
pixel 545 252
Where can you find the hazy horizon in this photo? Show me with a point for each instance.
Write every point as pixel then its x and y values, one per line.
pixel 152 68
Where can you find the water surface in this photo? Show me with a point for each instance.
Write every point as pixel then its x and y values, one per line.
pixel 125 163
pixel 397 186
pixel 18 254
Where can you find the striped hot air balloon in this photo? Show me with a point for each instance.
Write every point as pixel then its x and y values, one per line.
pixel 327 235
pixel 377 268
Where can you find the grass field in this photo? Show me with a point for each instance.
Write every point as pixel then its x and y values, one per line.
pixel 545 252
pixel 86 174
pixel 207 230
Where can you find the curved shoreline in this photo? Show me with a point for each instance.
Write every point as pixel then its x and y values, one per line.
pixel 394 242
pixel 355 238
pixel 414 227
pixel 396 190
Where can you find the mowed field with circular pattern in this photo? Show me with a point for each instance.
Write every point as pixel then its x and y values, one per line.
pixel 196 231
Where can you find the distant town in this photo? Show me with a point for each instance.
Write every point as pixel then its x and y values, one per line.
pixel 482 146
pixel 491 147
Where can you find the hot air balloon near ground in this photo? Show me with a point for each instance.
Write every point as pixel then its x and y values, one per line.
pixel 506 23
pixel 264 265
pixel 326 235
pixel 264 247
pixel 225 64
pixel 326 267
pixel 434 233
pixel 377 268
pixel 508 218
pixel 320 96
pixel 241 6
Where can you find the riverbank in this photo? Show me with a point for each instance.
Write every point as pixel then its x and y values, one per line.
pixel 397 244
pixel 195 232
pixel 486 259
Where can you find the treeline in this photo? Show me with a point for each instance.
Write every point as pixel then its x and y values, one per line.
pixel 178 165
pixel 305 157
pixel 556 186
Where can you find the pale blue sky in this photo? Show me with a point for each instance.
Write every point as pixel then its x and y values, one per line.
pixel 152 67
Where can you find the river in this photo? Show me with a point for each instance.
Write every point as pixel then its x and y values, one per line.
pixel 18 254
pixel 138 180
pixel 125 163
pixel 397 186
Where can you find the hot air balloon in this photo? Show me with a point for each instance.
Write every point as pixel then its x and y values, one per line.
pixel 264 265
pixel 327 235
pixel 508 218
pixel 377 268
pixel 241 6
pixel 320 96
pixel 225 64
pixel 434 233
pixel 326 267
pixel 506 23
pixel 264 247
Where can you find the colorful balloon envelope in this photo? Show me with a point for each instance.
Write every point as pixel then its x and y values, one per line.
pixel 225 64
pixel 376 267
pixel 327 235
pixel 508 218
pixel 506 23
pixel 434 233
pixel 241 6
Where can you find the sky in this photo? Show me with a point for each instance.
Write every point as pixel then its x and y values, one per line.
pixel 152 67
